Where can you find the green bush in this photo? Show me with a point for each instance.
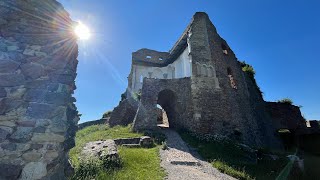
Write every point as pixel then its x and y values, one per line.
pixel 285 101
pixel 106 114
pixel 136 95
pixel 248 69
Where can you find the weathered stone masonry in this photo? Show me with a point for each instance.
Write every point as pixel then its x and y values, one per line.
pixel 38 61
pixel 217 99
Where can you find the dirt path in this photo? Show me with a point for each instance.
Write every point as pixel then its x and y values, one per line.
pixel 182 164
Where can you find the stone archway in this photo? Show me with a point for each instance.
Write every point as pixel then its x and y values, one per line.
pixel 38 62
pixel 167 100
pixel 171 94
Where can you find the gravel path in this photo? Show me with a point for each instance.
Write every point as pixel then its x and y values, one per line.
pixel 182 164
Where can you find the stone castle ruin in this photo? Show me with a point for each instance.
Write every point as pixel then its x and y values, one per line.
pixel 202 88
pixel 199 84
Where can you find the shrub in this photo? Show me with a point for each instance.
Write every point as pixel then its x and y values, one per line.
pixel 165 146
pixel 136 95
pixel 285 101
pixel 248 69
pixel 106 114
pixel 87 169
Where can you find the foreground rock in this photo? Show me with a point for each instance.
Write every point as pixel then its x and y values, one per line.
pixel 105 151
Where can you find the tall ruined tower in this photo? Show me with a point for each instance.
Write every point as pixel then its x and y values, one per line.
pixel 228 103
pixel 215 98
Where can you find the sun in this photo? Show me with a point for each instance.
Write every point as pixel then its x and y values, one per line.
pixel 82 31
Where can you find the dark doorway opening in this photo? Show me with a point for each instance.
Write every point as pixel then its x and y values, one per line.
pixel 166 111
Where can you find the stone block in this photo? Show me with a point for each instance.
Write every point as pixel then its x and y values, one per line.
pixel 8 66
pixel 12 48
pixel 36 146
pixel 4 56
pixel 32 70
pixel 40 129
pixel 41 54
pixel 50 155
pixel 16 56
pixel 101 150
pixel 146 141
pixel 3 21
pixel 29 52
pixel 8 104
pixel 22 134
pixel 34 170
pixel 26 123
pixel 7 80
pixel 9 146
pixel 37 110
pixel 47 137
pixel 3 93
pixel 23 146
pixel 3 135
pixel 35 95
pixel 7 123
pixel 35 47
pixel 10 171
pixel 31 156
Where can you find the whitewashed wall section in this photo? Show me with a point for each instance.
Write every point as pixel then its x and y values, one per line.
pixel 180 68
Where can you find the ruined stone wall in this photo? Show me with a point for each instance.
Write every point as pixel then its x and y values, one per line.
pixel 286 116
pixel 225 109
pixel 38 60
pixel 124 113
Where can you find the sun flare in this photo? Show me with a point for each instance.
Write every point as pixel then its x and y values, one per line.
pixel 82 31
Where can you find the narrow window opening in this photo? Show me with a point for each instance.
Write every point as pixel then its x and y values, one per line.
pixel 141 79
pixel 148 57
pixel 231 78
pixel 224 49
pixel 160 58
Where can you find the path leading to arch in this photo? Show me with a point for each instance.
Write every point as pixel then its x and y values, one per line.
pixel 183 164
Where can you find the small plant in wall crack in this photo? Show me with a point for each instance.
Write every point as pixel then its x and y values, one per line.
pixel 165 146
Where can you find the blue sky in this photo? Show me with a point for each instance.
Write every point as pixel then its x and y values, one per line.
pixel 279 38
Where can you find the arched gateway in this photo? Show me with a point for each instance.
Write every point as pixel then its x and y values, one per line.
pixel 171 96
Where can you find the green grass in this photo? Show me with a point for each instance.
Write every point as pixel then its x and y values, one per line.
pixel 232 160
pixel 137 163
pixel 225 168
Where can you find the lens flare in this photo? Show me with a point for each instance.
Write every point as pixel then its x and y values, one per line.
pixel 82 31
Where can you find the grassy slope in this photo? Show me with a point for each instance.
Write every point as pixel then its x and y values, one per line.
pixel 138 163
